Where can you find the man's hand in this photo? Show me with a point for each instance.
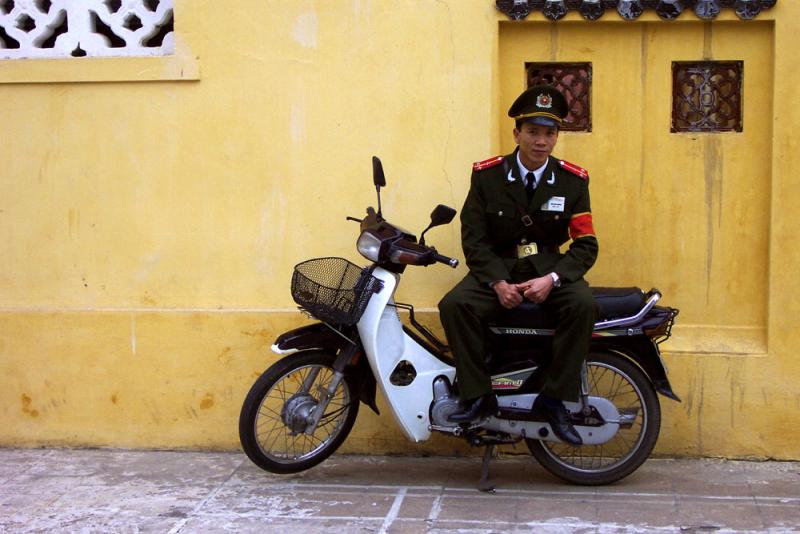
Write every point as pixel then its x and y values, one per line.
pixel 537 289
pixel 508 294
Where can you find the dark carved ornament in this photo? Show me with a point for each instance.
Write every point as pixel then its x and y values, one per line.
pixel 633 9
pixel 574 80
pixel 707 96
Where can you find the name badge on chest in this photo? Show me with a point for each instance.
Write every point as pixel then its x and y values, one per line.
pixel 554 204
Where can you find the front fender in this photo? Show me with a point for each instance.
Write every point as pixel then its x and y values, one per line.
pixel 313 336
pixel 319 336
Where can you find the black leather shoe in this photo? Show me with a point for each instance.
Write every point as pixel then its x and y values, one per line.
pixel 557 416
pixel 481 407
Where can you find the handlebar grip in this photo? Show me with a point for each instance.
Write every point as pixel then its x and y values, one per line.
pixel 452 262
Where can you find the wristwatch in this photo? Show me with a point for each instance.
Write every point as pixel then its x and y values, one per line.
pixel 556 280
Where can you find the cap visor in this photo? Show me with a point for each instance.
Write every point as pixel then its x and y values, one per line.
pixel 543 121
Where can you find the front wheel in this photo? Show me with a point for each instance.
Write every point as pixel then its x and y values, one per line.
pixel 616 379
pixel 274 422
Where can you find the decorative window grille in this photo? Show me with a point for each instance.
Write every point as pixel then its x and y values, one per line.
pixel 574 80
pixel 633 9
pixel 707 96
pixel 78 28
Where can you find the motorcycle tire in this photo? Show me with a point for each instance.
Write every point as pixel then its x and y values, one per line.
pixel 274 414
pixel 616 378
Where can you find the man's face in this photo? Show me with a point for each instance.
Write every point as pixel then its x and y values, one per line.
pixel 536 143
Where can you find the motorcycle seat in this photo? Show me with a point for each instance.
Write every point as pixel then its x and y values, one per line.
pixel 612 303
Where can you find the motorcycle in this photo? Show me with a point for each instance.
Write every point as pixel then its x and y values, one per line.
pixel 301 409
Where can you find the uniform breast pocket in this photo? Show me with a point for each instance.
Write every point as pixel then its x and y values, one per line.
pixel 555 222
pixel 501 217
pixel 555 216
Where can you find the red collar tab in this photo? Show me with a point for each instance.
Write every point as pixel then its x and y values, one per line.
pixel 574 169
pixel 487 163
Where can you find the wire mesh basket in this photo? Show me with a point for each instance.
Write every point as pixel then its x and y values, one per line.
pixel 333 290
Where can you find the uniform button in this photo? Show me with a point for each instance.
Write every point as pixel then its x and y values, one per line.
pixel 500 213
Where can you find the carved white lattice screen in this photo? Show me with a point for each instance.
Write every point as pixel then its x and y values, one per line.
pixel 77 28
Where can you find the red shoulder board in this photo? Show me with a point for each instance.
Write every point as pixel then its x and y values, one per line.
pixel 580 172
pixel 487 163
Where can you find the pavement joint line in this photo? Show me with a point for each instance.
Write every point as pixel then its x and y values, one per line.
pixel 280 515
pixel 436 509
pixel 476 495
pixel 521 493
pixel 760 510
pixel 393 511
pixel 555 522
pixel 199 506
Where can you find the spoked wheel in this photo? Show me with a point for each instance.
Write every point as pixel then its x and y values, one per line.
pixel 618 380
pixel 274 423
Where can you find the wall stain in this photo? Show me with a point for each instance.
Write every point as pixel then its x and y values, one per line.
pixel 643 80
pixel 26 406
pixel 152 409
pixel 708 41
pixel 701 397
pixel 712 167
pixel 258 333
pixel 114 398
pixel 73 223
pixel 225 356
pixel 207 401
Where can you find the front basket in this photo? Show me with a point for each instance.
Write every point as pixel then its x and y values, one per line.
pixel 333 290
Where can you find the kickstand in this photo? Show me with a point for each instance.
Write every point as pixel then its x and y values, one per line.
pixel 483 484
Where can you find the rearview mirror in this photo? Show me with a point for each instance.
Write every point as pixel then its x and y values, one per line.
pixel 441 214
pixel 378 177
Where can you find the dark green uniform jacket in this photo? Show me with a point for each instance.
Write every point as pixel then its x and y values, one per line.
pixel 497 217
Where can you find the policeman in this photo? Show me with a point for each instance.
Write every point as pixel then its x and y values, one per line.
pixel 520 209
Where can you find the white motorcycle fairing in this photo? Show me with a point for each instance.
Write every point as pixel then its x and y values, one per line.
pixel 591 435
pixel 386 345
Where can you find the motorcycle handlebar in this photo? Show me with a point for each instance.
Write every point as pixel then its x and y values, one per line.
pixel 452 262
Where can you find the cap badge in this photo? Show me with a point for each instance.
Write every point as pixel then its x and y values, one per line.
pixel 544 101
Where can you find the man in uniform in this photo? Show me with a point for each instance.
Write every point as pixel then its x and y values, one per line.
pixel 519 211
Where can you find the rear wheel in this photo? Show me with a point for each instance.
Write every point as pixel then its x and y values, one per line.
pixel 274 421
pixel 616 379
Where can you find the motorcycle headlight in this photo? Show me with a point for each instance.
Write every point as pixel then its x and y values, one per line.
pixel 369 246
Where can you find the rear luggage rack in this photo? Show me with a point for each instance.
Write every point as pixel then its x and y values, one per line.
pixel 662 332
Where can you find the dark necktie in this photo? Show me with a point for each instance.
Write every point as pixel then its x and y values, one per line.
pixel 530 186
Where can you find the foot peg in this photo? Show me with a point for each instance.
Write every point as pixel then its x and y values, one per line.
pixel 557 416
pixel 481 407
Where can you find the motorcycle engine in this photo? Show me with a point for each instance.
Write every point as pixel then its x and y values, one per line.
pixel 444 403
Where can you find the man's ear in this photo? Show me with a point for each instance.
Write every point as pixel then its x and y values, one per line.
pixel 516 135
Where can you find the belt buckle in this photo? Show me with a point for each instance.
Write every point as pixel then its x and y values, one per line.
pixel 528 249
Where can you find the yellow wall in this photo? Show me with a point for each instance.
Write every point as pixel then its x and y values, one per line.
pixel 151 210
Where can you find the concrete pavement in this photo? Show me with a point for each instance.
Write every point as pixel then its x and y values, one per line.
pixel 188 492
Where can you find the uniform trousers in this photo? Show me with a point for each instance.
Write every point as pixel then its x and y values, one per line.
pixel 470 305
